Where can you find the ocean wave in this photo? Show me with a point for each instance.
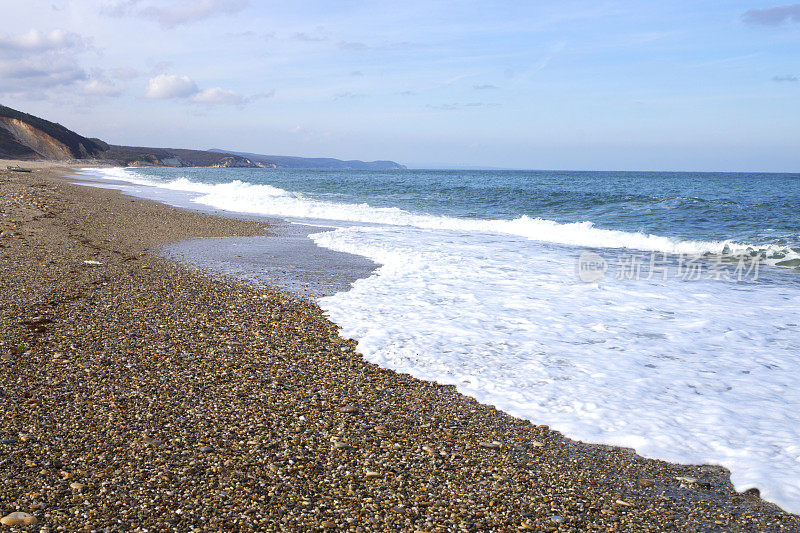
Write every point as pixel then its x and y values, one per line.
pixel 244 197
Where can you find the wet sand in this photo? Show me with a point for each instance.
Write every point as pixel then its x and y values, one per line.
pixel 137 394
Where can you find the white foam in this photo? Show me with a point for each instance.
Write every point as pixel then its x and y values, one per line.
pixel 691 372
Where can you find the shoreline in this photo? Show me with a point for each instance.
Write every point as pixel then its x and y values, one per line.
pixel 242 408
pixel 296 264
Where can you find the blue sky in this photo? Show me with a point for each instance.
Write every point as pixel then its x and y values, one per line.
pixel 556 85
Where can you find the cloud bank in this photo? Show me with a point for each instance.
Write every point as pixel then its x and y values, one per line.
pixel 36 61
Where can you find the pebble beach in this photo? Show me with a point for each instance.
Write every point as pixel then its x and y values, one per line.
pixel 139 395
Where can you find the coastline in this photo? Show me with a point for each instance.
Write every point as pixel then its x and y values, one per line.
pixel 241 407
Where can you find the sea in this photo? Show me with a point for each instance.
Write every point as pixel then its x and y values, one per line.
pixel 651 310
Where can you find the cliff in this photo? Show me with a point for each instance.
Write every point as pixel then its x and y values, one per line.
pixel 24 136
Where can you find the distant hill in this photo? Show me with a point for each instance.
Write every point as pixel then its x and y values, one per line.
pixel 285 161
pixel 24 136
pixel 139 156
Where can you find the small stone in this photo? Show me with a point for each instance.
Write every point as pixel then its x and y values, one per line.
pixel 646 483
pixel 624 503
pixel 491 445
pixel 328 525
pixel 18 519
pixel 77 486
pixel 373 475
pixel 348 409
pixel 686 480
pixel 557 519
pixel 430 451
pixel 206 449
pixel 340 445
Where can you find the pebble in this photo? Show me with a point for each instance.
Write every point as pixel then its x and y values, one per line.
pixel 18 518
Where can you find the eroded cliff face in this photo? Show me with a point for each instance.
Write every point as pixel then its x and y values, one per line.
pixel 230 162
pixel 38 141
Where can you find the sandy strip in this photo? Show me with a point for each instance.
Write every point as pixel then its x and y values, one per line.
pixel 136 394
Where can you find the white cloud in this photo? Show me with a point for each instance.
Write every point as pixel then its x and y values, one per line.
pixel 101 87
pixel 170 86
pixel 217 95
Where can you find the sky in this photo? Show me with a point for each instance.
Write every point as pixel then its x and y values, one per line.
pixel 580 85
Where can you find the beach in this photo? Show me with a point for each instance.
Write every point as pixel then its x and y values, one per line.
pixel 141 395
